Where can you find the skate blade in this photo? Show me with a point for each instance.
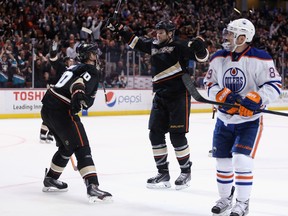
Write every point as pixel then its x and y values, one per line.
pixel 45 141
pixel 54 189
pixel 95 199
pixel 181 187
pixel 225 213
pixel 161 185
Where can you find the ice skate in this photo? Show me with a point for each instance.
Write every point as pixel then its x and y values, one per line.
pixel 43 138
pixel 183 181
pixel 223 205
pixel 49 137
pixel 54 185
pixel 240 208
pixel 161 180
pixel 46 137
pixel 210 153
pixel 96 195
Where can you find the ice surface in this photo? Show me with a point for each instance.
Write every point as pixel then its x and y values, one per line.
pixel 123 158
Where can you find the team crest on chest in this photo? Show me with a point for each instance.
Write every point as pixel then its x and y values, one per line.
pixel 234 79
pixel 165 49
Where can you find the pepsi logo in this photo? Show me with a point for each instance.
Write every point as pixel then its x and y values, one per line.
pixel 111 99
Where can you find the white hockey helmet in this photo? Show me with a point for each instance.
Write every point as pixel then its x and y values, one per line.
pixel 242 27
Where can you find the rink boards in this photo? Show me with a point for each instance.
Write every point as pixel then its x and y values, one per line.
pixel 26 103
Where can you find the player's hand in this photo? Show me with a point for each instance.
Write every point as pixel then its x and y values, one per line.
pixel 113 25
pixel 198 46
pixel 225 95
pixel 78 101
pixel 250 104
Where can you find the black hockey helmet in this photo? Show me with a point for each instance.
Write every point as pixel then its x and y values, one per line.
pixel 83 50
pixel 168 26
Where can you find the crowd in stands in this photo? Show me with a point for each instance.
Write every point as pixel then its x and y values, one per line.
pixel 27 26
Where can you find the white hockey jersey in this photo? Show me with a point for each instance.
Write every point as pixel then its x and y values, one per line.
pixel 252 70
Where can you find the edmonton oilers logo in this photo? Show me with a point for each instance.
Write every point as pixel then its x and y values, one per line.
pixel 234 79
pixel 111 99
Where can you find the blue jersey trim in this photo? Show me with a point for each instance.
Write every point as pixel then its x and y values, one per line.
pixel 258 53
pixel 220 53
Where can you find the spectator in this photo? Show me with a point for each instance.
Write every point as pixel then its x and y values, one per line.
pixel 59 19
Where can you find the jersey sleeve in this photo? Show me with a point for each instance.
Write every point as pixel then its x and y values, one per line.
pixel 135 42
pixel 210 80
pixel 268 81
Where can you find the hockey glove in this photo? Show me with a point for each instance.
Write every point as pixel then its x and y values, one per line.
pixel 78 101
pixel 53 49
pixel 250 104
pixel 198 46
pixel 113 25
pixel 225 95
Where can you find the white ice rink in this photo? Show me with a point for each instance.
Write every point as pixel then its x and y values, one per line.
pixel 123 158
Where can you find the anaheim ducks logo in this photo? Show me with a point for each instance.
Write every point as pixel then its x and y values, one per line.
pixel 234 79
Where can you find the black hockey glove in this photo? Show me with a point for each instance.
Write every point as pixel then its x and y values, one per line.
pixel 78 101
pixel 198 46
pixel 113 25
pixel 53 49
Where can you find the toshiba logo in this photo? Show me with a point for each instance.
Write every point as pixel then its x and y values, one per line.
pixel 28 95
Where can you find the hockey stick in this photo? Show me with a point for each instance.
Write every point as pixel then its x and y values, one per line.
pixel 117 9
pixel 73 163
pixel 114 16
pixel 188 82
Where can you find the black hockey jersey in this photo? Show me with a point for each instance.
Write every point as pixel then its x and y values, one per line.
pixel 60 95
pixel 168 62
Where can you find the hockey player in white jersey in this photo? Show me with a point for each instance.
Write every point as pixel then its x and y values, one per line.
pixel 245 76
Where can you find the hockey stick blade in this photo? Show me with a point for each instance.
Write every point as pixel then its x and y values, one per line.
pixel 188 82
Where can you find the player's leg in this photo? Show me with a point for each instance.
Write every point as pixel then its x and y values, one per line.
pixel 182 152
pixel 158 123
pixel 58 164
pixel 223 139
pixel 85 163
pixel 88 172
pixel 244 149
pixel 179 113
pixel 61 157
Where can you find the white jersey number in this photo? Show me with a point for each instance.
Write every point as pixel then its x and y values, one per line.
pixel 66 76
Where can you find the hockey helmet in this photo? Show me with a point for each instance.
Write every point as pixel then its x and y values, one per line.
pixel 166 25
pixel 242 27
pixel 84 49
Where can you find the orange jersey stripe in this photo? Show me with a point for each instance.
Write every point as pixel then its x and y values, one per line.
pixel 258 138
pixel 78 131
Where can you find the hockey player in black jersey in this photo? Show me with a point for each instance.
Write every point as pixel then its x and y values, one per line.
pixel 75 90
pixel 171 104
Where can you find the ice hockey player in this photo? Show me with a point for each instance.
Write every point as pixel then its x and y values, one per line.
pixel 245 76
pixel 171 104
pixel 76 89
